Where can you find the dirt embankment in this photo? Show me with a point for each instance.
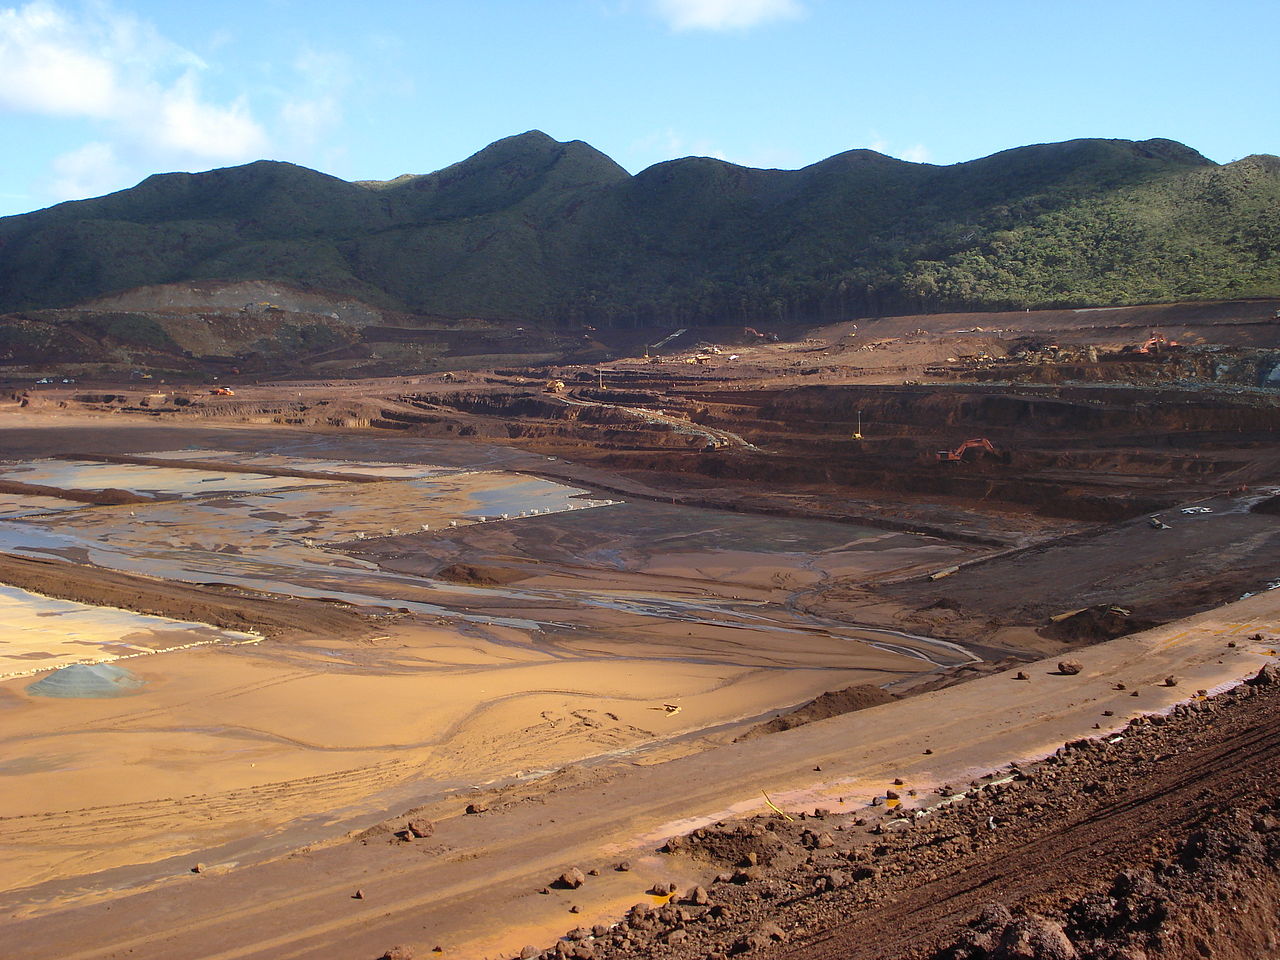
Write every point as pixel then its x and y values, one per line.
pixel 479 575
pixel 1162 842
pixel 230 608
pixel 108 497
pixel 830 704
pixel 223 466
pixel 1085 453
pixel 1108 581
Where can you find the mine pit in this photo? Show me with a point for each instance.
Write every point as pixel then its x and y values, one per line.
pixel 805 590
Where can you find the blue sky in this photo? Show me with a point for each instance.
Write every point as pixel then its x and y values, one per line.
pixel 95 96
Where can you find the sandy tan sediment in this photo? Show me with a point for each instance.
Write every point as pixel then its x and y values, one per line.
pixel 473 887
pixel 339 713
pixel 225 745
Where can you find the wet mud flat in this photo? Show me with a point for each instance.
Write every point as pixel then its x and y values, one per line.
pixel 632 629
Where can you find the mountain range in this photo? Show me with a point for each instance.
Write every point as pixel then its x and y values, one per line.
pixel 533 229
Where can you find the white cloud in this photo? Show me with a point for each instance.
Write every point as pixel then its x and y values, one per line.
pixel 725 14
pixel 668 144
pixel 46 67
pixel 917 154
pixel 187 124
pixel 314 108
pixel 88 171
pixel 140 92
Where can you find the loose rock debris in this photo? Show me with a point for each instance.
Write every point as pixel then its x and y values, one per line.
pixel 1180 857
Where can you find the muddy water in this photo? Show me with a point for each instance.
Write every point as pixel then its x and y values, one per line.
pixel 292 538
pixel 155 481
pixel 283 541
pixel 368 468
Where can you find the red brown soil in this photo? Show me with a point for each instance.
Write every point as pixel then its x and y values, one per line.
pixel 1162 843
pixel 1142 836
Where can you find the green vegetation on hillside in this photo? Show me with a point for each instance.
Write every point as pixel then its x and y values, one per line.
pixel 533 229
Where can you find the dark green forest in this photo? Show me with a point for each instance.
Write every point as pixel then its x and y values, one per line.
pixel 533 229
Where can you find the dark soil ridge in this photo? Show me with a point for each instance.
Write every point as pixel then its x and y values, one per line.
pixel 833 703
pixel 1160 841
pixel 102 498
pixel 230 608
pixel 221 466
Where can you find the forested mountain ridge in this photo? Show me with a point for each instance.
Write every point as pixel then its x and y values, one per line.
pixel 533 229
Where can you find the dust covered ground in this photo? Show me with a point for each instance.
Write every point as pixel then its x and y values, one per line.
pixel 573 601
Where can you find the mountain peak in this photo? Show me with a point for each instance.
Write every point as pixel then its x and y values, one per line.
pixel 534 227
pixel 507 172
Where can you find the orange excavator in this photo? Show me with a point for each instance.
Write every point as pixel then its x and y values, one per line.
pixel 958 454
pixel 1156 344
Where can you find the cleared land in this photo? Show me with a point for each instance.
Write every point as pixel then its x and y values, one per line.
pixel 564 608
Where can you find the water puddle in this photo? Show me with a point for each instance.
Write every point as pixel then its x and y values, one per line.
pixel 39 633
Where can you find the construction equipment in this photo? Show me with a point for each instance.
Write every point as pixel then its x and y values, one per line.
pixel 222 392
pixel 1154 344
pixel 1157 523
pixel 857 434
pixel 554 386
pixel 977 443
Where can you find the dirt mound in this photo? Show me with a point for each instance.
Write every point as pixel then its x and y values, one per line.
pixel 1271 505
pixel 830 704
pixel 941 679
pixel 1095 624
pixel 108 497
pixel 479 575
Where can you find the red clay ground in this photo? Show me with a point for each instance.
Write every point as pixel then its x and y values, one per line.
pixel 1090 443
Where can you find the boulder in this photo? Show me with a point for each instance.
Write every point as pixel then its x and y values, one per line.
pixel 421 828
pixel 764 935
pixel 1069 668
pixel 1034 938
pixel 572 878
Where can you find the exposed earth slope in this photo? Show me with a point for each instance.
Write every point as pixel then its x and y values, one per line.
pixel 477 659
